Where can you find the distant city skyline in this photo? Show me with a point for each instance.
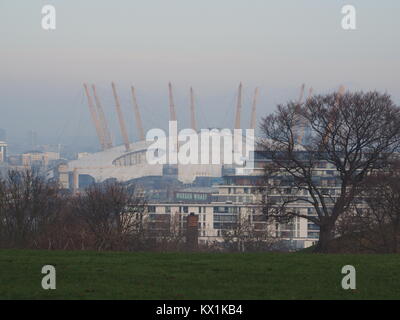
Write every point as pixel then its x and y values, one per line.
pixel 210 45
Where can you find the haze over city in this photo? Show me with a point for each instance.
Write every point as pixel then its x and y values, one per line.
pixel 210 45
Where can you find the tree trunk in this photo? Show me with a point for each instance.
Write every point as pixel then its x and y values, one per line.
pixel 325 238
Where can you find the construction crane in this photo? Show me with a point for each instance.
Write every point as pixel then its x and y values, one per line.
pixel 95 119
pixel 238 107
pixel 301 95
pixel 171 103
pixel 254 110
pixel 298 119
pixel 121 120
pixel 138 119
pixel 339 95
pixel 310 93
pixel 192 112
pixel 173 140
pixel 103 121
pixel 302 121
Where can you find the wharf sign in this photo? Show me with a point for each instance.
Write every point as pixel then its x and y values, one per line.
pixel 192 196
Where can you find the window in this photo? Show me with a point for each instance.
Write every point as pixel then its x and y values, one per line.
pixel 312 226
pixel 167 209
pixel 313 235
pixel 311 211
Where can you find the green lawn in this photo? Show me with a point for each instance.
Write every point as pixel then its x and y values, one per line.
pixel 108 275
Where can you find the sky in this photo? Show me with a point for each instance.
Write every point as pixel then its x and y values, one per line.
pixel 211 45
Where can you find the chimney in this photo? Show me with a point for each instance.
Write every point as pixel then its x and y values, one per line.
pixel 192 232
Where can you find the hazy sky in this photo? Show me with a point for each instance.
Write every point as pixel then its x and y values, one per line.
pixel 209 44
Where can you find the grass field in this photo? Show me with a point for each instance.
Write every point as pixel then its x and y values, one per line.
pixel 93 275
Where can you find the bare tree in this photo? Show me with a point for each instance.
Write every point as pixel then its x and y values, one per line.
pixel 250 233
pixel 171 237
pixel 112 213
pixel 353 134
pixel 28 205
pixel 376 225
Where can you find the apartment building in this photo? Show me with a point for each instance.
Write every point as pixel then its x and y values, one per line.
pixel 237 200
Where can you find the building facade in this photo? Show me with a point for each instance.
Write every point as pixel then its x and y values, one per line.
pixel 230 208
pixel 237 201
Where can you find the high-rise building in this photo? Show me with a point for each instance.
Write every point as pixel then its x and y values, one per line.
pixel 3 151
pixel 38 158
